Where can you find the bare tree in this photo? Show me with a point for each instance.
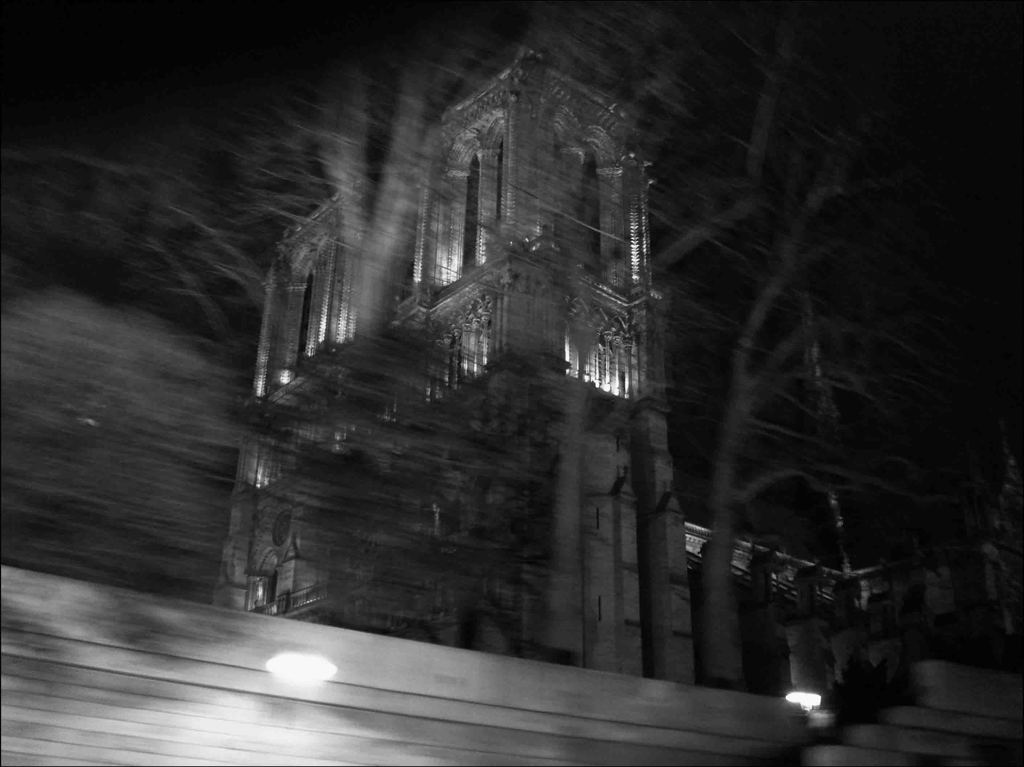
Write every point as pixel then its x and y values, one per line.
pixel 788 250
pixel 767 178
pixel 822 310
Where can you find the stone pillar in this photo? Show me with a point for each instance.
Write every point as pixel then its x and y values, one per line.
pixel 667 633
pixel 509 146
pixel 422 227
pixel 343 312
pixel 645 235
pixel 604 477
pixel 510 149
pixel 639 237
pixel 232 582
pixel 564 629
pixel 618 614
pixel 266 332
pixel 661 534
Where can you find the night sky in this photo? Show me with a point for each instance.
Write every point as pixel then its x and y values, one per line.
pixel 955 73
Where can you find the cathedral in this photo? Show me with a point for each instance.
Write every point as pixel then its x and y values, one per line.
pixel 487 465
pixel 490 469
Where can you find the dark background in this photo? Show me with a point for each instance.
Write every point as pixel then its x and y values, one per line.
pixel 952 69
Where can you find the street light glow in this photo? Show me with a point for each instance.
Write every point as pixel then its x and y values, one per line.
pixel 300 668
pixel 806 700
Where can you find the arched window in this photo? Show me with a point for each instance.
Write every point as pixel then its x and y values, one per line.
pixel 472 224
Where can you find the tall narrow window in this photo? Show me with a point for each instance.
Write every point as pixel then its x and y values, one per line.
pixel 305 319
pixel 472 215
pixel 589 211
pixel 499 175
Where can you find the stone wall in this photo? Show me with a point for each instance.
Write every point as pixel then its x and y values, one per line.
pixel 961 715
pixel 94 674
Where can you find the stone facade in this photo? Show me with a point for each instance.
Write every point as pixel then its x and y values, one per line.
pixel 530 283
pixel 547 527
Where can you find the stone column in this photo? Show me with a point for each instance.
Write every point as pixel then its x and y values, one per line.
pixel 639 237
pixel 661 533
pixel 645 234
pixel 640 356
pixel 635 241
pixel 266 331
pixel 667 635
pixel 422 226
pixel 510 148
pixel 604 617
pixel 618 612
pixel 565 629
pixel 232 583
pixel 344 312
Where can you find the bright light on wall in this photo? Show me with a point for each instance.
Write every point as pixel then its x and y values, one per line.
pixel 806 700
pixel 301 669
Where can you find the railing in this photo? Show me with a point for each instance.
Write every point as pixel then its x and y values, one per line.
pixel 742 557
pixel 292 601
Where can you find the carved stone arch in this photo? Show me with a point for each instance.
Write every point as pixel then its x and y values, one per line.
pixel 567 127
pixel 602 319
pixel 558 92
pixel 464 148
pixel 322 244
pixel 302 262
pixel 602 145
pixel 585 317
pixel 490 129
pixel 268 563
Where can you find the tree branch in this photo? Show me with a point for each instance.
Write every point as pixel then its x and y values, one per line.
pixel 707 231
pixel 768 102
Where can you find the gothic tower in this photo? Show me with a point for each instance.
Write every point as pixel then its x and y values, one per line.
pixel 530 281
